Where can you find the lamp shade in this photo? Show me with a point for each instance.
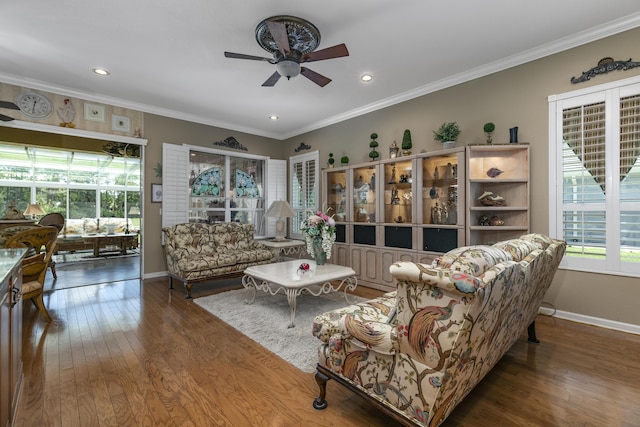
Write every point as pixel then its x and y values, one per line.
pixel 280 209
pixel 134 210
pixel 33 209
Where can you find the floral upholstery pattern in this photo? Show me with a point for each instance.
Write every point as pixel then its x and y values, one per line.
pixel 453 321
pixel 198 252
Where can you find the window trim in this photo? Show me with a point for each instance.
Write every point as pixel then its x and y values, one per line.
pixel 608 92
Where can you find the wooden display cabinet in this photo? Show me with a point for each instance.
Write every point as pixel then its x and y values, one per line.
pixel 442 200
pixel 498 192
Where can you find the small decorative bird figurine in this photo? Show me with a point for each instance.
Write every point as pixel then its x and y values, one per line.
pixel 493 172
pixel 423 322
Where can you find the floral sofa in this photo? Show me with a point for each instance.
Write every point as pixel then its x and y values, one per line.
pixel 418 351
pixel 198 252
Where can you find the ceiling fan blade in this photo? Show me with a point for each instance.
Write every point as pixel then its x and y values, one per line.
pixel 5 118
pixel 7 104
pixel 336 51
pixel 243 56
pixel 278 31
pixel 271 81
pixel 318 79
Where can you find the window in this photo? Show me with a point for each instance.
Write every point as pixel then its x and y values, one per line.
pixel 305 179
pixel 595 176
pixel 74 184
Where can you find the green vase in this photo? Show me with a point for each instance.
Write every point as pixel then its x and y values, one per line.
pixel 319 254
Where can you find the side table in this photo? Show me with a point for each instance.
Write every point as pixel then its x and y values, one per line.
pixel 280 248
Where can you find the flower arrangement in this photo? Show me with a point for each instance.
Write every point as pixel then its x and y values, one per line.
pixel 321 225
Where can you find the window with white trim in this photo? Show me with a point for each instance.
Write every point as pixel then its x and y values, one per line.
pixel 594 164
pixel 305 180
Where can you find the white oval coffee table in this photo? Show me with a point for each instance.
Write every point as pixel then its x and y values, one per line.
pixel 288 278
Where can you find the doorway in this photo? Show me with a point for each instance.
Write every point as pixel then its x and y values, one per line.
pixel 96 185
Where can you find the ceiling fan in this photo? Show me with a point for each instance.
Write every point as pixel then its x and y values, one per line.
pixel 292 42
pixel 10 105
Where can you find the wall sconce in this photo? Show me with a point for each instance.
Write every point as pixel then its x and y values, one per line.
pixel 280 209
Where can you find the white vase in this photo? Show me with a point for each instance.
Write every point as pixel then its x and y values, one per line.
pixel 449 144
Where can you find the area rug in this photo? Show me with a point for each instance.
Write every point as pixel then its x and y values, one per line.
pixel 265 321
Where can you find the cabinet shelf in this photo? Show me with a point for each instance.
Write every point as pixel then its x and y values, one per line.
pixel 499 208
pixel 512 185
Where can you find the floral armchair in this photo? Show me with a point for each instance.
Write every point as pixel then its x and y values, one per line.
pixel 418 351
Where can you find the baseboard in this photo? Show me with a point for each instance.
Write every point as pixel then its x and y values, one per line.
pixel 589 320
pixel 155 275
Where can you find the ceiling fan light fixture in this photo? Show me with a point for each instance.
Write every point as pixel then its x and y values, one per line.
pixel 288 68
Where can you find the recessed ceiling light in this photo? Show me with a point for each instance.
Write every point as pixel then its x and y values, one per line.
pixel 101 71
pixel 273 117
pixel 366 77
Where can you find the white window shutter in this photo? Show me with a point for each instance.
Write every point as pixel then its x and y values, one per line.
pixel 276 190
pixel 175 184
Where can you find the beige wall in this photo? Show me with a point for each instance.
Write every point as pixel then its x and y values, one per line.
pixel 162 129
pixel 515 97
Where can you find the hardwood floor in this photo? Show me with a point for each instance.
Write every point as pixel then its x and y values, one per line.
pixel 126 354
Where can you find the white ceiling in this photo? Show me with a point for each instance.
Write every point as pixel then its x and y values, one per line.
pixel 166 56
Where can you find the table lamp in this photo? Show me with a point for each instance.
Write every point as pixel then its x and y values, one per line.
pixel 280 209
pixel 34 210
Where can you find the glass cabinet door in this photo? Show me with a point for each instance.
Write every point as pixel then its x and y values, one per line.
pixel 336 194
pixel 364 195
pixel 440 190
pixel 398 191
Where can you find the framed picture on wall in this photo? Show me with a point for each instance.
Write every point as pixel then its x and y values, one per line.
pixel 120 123
pixel 156 193
pixel 93 112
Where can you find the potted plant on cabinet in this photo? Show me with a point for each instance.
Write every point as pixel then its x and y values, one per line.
pixel 406 143
pixel 373 154
pixel 488 128
pixel 344 160
pixel 447 133
pixel 331 160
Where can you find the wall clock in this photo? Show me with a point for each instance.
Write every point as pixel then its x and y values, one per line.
pixel 34 105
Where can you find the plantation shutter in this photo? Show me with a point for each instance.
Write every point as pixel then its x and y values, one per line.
pixel 304 188
pixel 629 173
pixel 175 184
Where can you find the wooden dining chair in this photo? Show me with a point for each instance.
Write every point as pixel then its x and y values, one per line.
pixel 56 220
pixel 40 243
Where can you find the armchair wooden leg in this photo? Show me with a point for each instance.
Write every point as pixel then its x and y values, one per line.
pixel 53 270
pixel 320 402
pixel 39 302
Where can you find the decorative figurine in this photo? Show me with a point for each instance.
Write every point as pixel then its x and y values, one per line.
pixel 393 176
pixel 395 200
pixel 67 114
pixel 393 150
pixel 494 172
pixel 489 199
